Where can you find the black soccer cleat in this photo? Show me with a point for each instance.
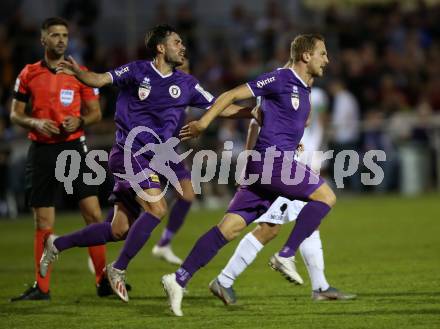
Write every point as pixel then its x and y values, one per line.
pixel 104 289
pixel 32 293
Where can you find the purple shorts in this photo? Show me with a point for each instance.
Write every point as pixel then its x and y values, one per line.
pixel 122 190
pixel 139 163
pixel 250 202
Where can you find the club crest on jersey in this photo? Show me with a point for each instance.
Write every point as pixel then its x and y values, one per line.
pixel 66 96
pixel 144 89
pixel 174 91
pixel 294 97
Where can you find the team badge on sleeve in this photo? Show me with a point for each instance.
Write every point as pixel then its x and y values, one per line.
pixel 66 96
pixel 144 89
pixel 295 98
pixel 205 93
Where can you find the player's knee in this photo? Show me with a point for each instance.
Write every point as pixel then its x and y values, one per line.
pixel 231 227
pixel 94 216
pixel 120 230
pixel 188 195
pixel 158 209
pixel 43 221
pixel 230 233
pixel 324 194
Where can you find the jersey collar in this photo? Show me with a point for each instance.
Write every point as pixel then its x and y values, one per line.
pixel 298 77
pixel 160 74
pixel 44 64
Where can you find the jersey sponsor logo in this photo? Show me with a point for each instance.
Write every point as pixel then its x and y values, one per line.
pixel 122 71
pixel 174 91
pixel 66 96
pixel 144 89
pixel 204 93
pixel 17 85
pixel 262 83
pixel 294 97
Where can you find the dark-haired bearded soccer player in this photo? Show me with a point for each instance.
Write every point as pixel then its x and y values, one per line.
pixel 285 104
pixel 152 94
pixel 55 124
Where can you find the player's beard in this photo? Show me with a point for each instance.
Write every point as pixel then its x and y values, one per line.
pixel 55 54
pixel 173 61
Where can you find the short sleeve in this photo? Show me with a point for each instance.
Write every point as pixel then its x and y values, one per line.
pixel 200 98
pixel 266 84
pixel 88 93
pixel 21 89
pixel 123 75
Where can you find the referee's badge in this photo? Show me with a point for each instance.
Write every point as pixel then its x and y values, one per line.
pixel 66 96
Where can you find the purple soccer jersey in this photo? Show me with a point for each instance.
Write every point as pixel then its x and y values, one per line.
pixel 149 99
pixel 285 104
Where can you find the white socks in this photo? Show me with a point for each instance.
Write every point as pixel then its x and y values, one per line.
pixel 311 251
pixel 244 255
pixel 249 247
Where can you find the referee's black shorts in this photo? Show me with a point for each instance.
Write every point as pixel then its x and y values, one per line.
pixel 41 183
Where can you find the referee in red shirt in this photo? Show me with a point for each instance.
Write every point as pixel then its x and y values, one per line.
pixel 60 107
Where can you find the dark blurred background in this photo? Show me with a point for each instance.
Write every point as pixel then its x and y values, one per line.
pixel 381 89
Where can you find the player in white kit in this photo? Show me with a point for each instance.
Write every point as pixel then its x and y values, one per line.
pixel 284 211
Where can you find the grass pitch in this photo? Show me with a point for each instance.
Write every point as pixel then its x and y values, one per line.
pixel 385 248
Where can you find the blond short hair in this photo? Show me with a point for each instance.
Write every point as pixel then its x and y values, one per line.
pixel 303 43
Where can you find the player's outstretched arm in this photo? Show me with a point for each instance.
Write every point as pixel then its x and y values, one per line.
pixel 195 128
pixel 91 79
pixel 237 112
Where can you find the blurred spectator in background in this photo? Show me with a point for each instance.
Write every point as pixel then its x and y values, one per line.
pixel 5 152
pixel 345 125
pixel 375 138
pixel 314 134
pixel 186 24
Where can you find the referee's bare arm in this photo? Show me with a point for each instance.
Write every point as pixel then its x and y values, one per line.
pixel 19 117
pixel 91 112
pixel 91 79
